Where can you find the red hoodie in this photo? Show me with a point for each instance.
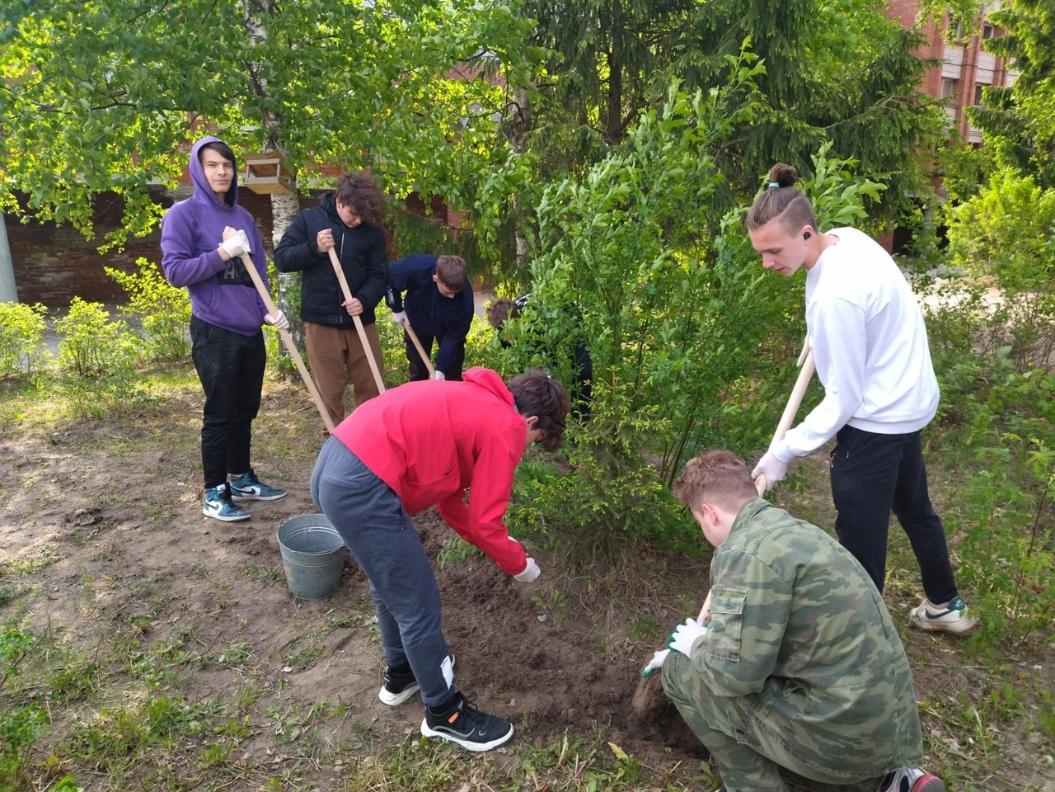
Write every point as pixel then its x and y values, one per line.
pixel 430 441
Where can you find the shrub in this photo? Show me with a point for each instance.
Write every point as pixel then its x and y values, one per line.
pixel 1006 234
pixel 21 332
pixel 163 310
pixel 92 345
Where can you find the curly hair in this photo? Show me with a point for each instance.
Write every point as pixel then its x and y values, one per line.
pixel 781 199
pixel 360 193
pixel 536 393
pixel 715 476
pixel 499 310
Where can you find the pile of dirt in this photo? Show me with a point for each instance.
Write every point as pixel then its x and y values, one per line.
pixel 546 671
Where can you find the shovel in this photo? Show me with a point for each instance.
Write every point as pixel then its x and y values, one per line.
pixel 357 322
pixel 290 345
pixel 806 369
pixel 417 345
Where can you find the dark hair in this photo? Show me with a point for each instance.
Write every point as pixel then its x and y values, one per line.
pixel 781 199
pixel 224 151
pixel 501 309
pixel 220 148
pixel 451 270
pixel 360 193
pixel 715 476
pixel 536 393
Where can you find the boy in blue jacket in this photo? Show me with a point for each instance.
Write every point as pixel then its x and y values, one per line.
pixel 438 306
pixel 202 241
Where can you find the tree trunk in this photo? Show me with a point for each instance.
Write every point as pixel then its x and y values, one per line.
pixel 8 288
pixel 614 123
pixel 284 208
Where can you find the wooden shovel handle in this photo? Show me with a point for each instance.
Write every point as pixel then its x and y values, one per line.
pixel 357 322
pixel 417 345
pixel 802 382
pixel 290 345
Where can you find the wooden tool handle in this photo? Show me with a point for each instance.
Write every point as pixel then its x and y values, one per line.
pixel 357 322
pixel 290 345
pixel 417 345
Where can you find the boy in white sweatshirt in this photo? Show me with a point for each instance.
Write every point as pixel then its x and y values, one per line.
pixel 869 342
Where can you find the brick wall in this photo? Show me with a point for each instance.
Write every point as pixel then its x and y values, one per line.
pixel 53 263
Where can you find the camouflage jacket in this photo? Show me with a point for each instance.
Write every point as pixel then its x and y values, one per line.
pixel 798 626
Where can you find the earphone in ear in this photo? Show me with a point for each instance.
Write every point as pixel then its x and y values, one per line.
pixel 806 235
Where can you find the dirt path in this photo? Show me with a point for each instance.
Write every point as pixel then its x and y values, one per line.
pixel 111 513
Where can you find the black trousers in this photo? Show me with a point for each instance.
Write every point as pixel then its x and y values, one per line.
pixel 417 370
pixel 231 369
pixel 872 473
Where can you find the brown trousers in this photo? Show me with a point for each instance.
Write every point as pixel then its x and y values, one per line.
pixel 337 359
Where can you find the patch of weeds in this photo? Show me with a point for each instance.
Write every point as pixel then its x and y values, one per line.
pixel 552 604
pixel 643 630
pixel 9 594
pixel 43 558
pixel 235 656
pixel 305 658
pixel 142 737
pixel 455 549
pixel 262 573
pixel 75 681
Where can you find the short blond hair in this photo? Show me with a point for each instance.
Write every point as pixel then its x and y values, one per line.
pixel 715 476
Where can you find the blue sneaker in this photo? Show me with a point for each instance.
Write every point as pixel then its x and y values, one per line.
pixel 219 506
pixel 249 487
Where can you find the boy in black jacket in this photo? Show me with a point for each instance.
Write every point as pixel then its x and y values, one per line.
pixel 348 221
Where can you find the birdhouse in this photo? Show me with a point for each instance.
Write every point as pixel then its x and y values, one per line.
pixel 267 173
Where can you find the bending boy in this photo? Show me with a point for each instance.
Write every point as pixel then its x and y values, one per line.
pixel 415 446
pixel 799 665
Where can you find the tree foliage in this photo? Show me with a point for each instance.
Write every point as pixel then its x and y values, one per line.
pixel 103 95
pixel 1019 121
pixel 852 80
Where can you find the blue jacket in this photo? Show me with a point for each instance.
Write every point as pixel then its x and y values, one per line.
pixel 429 312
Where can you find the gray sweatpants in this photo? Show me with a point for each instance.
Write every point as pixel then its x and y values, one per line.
pixel 377 529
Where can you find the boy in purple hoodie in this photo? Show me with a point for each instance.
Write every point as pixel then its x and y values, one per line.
pixel 202 241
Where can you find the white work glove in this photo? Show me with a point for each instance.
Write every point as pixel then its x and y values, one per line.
pixel 655 663
pixel 685 635
pixel 236 245
pixel 399 317
pixel 530 573
pixel 277 320
pixel 438 375
pixel 772 468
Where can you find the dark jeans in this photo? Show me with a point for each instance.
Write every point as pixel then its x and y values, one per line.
pixel 417 370
pixel 231 369
pixel 872 473
pixel 377 529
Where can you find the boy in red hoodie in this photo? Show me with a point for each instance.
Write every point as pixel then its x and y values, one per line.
pixel 423 444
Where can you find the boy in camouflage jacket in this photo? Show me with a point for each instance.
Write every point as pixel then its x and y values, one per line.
pixel 798 664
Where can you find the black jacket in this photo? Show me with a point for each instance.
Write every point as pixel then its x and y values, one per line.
pixel 361 251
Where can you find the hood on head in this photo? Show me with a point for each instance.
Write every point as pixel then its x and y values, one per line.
pixel 197 174
pixel 489 380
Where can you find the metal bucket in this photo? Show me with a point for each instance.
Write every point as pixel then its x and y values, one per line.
pixel 312 555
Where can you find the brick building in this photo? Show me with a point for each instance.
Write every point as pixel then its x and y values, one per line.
pixel 963 68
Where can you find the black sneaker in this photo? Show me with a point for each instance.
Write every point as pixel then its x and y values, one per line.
pixel 465 725
pixel 399 685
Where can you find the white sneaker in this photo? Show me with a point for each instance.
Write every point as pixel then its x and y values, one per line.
pixel 911 779
pixel 952 618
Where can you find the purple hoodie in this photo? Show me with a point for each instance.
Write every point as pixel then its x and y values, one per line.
pixel 221 292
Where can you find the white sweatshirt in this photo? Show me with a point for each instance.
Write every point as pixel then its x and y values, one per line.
pixel 870 346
